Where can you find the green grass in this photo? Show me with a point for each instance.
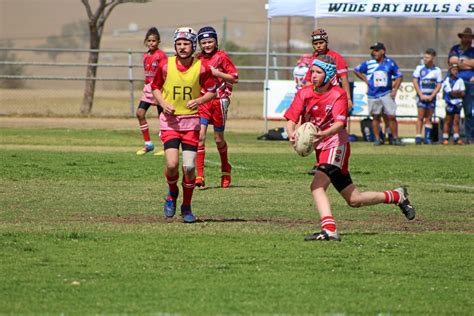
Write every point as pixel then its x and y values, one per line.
pixel 81 231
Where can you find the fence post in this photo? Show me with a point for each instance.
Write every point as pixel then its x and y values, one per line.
pixel 224 32
pixel 275 65
pixel 130 78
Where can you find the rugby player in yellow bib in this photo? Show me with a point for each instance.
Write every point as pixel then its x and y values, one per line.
pixel 181 85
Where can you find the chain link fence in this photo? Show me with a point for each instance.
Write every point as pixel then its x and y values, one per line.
pixel 50 82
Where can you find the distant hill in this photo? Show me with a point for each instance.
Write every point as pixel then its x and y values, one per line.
pixel 29 22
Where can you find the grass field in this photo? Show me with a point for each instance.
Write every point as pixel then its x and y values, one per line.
pixel 82 232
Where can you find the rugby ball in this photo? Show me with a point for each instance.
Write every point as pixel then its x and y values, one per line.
pixel 304 138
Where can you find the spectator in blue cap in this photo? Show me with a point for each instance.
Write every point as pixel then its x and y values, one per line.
pixel 382 76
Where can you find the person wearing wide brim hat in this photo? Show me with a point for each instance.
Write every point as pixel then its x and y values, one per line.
pixel 462 54
pixel 466 33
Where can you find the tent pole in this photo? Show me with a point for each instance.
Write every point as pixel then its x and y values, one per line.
pixel 437 35
pixel 265 86
pixel 376 29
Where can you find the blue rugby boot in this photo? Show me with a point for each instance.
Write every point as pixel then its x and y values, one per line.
pixel 378 142
pixel 169 208
pixel 397 142
pixel 187 214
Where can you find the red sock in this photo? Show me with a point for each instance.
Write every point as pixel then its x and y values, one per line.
pixel 173 187
pixel 201 153
pixel 145 132
pixel 188 189
pixel 225 167
pixel 328 223
pixel 391 197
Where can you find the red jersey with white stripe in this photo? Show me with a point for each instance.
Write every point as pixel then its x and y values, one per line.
pixel 221 61
pixel 323 110
pixel 341 66
pixel 151 62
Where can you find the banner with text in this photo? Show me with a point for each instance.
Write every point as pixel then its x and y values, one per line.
pixel 443 9
pixel 282 92
pixel 405 100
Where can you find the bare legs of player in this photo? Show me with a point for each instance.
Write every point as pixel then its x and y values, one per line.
pixel 351 194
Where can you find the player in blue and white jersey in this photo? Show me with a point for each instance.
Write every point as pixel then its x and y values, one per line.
pixel 382 76
pixel 427 81
pixel 453 92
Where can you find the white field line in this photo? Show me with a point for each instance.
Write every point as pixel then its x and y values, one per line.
pixel 454 186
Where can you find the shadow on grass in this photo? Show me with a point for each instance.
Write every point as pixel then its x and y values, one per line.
pixel 375 224
pixel 160 219
pixel 361 233
pixel 239 220
pixel 216 187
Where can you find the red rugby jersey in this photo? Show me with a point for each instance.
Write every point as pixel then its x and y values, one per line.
pixel 341 65
pixel 151 63
pixel 323 110
pixel 222 62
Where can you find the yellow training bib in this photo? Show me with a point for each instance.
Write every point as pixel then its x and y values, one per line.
pixel 180 87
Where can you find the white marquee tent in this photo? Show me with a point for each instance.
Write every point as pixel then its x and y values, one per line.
pixel 433 9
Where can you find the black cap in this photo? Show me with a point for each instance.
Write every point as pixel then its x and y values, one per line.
pixel 378 46
pixel 430 51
